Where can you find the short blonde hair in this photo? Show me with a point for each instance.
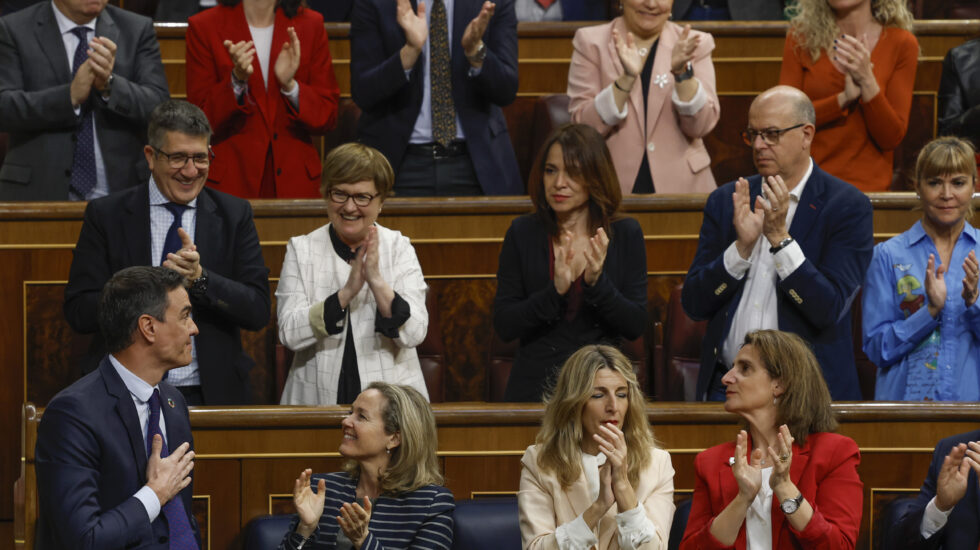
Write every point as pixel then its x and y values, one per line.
pixel 814 26
pixel 560 437
pixel 354 162
pixel 413 462
pixel 804 405
pixel 945 156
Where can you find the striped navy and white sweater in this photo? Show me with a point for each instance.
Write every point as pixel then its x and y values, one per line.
pixel 420 519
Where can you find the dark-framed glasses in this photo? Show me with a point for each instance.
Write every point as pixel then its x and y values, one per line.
pixel 360 199
pixel 179 160
pixel 770 135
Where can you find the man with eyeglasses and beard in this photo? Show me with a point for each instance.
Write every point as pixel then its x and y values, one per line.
pixel 207 236
pixel 785 249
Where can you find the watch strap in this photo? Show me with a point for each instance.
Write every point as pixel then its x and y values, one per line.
pixel 782 244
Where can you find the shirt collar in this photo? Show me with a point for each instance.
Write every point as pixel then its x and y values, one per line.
pixel 340 247
pixel 65 25
pixel 917 233
pixel 136 385
pixel 797 191
pixel 157 198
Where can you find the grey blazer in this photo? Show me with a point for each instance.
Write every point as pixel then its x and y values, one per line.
pixel 741 10
pixel 35 105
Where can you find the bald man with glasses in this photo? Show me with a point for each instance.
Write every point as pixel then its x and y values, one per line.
pixel 784 249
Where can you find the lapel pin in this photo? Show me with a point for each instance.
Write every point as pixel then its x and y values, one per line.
pixel 731 461
pixel 660 80
pixel 170 402
pixel 812 206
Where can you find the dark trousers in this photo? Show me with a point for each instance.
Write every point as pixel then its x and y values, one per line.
pixel 434 171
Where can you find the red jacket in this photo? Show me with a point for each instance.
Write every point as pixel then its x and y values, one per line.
pixel 825 471
pixel 243 133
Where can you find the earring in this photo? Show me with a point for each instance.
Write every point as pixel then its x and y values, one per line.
pixel 775 400
pixel 387 450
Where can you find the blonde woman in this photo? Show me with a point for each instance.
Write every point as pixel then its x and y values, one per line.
pixel 595 478
pixel 389 494
pixel 856 60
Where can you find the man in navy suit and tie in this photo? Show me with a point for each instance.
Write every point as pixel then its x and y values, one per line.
pixel 207 236
pixel 786 249
pixel 114 450
pixel 946 513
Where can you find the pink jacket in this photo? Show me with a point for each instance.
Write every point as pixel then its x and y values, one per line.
pixel 678 160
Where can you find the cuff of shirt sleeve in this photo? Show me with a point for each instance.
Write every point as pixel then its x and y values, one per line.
pixel 690 108
pixel 919 324
pixel 933 519
pixel 239 88
pixel 150 502
pixel 316 320
pixel 735 265
pixel 635 527
pixel 788 259
pixel 292 95
pixel 475 71
pixel 605 107
pixel 400 312
pixel 575 535
pixel 333 315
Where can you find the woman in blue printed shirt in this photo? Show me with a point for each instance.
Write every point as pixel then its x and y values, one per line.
pixel 920 313
pixel 389 495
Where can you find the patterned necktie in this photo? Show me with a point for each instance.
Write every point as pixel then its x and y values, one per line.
pixel 440 78
pixel 83 166
pixel 181 534
pixel 172 242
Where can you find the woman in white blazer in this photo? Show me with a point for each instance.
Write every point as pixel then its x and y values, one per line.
pixel 351 297
pixel 595 477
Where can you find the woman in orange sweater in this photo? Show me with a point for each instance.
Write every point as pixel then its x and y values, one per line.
pixel 856 60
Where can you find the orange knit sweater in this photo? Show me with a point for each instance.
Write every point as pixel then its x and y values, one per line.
pixel 856 143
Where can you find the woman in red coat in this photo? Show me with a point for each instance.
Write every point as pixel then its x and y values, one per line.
pixel 261 71
pixel 786 482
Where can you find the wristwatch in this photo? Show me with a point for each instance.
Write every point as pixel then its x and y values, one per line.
pixel 791 505
pixel 480 55
pixel 782 244
pixel 200 285
pixel 686 75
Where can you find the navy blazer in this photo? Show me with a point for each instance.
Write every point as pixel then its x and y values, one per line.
pixel 91 460
pixel 116 234
pixel 962 529
pixel 390 104
pixel 833 228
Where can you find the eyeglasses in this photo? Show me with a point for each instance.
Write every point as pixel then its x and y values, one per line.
pixel 360 199
pixel 770 135
pixel 179 160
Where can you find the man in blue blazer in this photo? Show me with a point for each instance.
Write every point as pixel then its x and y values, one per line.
pixel 946 512
pixel 787 253
pixel 390 82
pixel 108 476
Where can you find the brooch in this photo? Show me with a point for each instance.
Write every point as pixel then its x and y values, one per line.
pixel 171 403
pixel 660 80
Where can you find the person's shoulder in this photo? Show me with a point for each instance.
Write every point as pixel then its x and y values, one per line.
pixel 78 397
pixel 126 19
pixel 531 455
pixel 839 189
pixel 307 17
pixel 953 440
pixel 717 456
pixel 225 201
pixel 818 441
pixel 386 235
pixel 211 15
pixel 593 33
pixel 627 225
pixel 967 51
pixel 526 222
pixel 901 37
pixel 25 18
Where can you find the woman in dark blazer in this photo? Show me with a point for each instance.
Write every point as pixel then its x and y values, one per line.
pixel 389 495
pixel 786 481
pixel 574 271
pixel 261 71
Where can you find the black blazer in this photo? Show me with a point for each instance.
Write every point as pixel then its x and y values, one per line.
pixel 528 307
pixel 962 529
pixel 959 92
pixel 116 234
pixel 91 460
pixel 391 104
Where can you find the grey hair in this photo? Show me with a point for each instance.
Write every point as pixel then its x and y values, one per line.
pixel 175 115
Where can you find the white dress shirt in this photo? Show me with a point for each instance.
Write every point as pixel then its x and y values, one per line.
pixel 933 519
pixel 757 308
pixel 758 518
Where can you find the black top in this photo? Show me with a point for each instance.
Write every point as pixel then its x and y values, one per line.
pixel 644 179
pixel 349 384
pixel 528 307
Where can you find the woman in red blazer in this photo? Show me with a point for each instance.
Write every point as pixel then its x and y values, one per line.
pixel 261 71
pixel 786 482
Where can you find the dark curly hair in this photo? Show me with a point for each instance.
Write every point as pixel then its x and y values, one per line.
pixel 289 7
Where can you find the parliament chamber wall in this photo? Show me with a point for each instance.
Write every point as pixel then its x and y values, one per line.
pixel 249 454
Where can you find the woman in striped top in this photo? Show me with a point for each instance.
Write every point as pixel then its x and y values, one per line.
pixel 389 495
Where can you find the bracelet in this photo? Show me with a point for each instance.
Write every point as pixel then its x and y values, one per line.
pixel 616 84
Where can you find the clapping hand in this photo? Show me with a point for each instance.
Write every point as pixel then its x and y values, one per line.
pixel 288 61
pixel 781 457
pixel 747 468
pixel 565 273
pixel 309 505
pixel 612 443
pixel 935 286
pixel 595 256
pixel 972 270
pixel 473 35
pixel 774 207
pixel 854 56
pixel 629 53
pixel 748 223
pixel 102 59
pixel 187 260
pixel 684 49
pixel 354 520
pixel 241 53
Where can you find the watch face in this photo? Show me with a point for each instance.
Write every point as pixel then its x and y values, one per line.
pixel 791 505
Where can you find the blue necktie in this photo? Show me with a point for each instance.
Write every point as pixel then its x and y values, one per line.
pixel 181 534
pixel 172 242
pixel 83 166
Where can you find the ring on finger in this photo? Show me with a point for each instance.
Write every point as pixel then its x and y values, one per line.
pixel 784 457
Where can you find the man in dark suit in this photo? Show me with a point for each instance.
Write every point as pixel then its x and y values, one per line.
pixel 77 82
pixel 786 249
pixel 207 236
pixel 114 450
pixel 442 129
pixel 946 512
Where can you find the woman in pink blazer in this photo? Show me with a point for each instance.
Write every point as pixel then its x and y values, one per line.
pixel 262 73
pixel 648 85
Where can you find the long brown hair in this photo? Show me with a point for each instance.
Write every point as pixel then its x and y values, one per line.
pixel 586 159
